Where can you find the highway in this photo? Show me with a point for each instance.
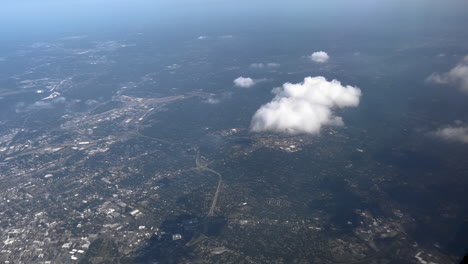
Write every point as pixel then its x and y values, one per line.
pixel 203 167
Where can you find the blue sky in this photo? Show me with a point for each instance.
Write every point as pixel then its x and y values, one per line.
pixel 31 17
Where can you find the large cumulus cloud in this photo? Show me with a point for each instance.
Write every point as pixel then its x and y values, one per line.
pixel 457 76
pixel 305 107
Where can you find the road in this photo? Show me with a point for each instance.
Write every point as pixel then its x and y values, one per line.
pixel 203 167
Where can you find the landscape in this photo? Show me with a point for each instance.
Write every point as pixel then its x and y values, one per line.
pixel 232 132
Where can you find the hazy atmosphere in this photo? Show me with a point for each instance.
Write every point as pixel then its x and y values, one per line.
pixel 233 131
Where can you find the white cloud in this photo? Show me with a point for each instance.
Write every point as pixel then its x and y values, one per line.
pixel 457 76
pixel 319 56
pixel 212 100
pixel 40 105
pixel 74 37
pixel 261 65
pixel 226 37
pixel 273 65
pixel 216 99
pixel 258 65
pixel 173 66
pixel 203 37
pixel 458 134
pixel 305 107
pixel 244 82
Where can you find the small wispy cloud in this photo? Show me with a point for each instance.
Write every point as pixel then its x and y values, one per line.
pixel 39 105
pixel 453 133
pixel 261 65
pixel 78 37
pixel 244 82
pixel 173 66
pixel 226 37
pixel 204 37
pixel 319 56
pixel 212 100
pixel 457 76
pixel 218 98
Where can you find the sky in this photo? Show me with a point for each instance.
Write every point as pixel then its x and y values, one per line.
pixel 29 17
